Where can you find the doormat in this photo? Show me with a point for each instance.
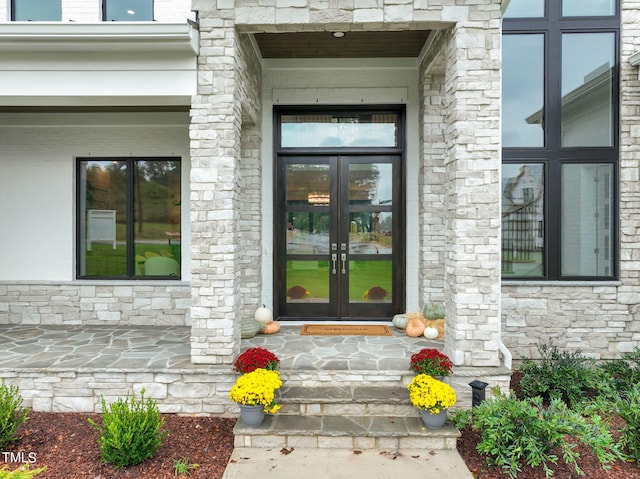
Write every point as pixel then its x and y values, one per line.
pixel 345 330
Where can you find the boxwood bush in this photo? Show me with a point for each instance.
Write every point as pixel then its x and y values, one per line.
pixel 131 430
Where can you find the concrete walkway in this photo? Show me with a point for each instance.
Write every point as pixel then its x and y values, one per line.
pixel 247 463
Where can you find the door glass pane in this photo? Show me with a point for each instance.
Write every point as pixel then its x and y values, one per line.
pixel 103 218
pixel 37 10
pixel 525 8
pixel 156 205
pixel 522 90
pixel 587 94
pixel 307 233
pixel 339 130
pixel 587 220
pixel 370 281
pixel 370 233
pixel 129 10
pixel 308 185
pixel 577 8
pixel 522 220
pixel 370 183
pixel 307 281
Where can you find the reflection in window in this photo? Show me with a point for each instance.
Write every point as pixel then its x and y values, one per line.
pixel 370 281
pixel 587 95
pixel 587 229
pixel 330 131
pixel 307 232
pixel 525 8
pixel 522 220
pixel 307 281
pixel 128 10
pixel 308 184
pixel 585 8
pixel 108 205
pixel 370 183
pixel 37 10
pixel 370 233
pixel 522 90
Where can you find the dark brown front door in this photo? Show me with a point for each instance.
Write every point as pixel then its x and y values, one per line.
pixel 339 247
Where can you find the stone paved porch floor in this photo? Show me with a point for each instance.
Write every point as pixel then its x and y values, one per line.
pixel 167 348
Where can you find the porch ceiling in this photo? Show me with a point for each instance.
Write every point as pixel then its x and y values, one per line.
pixel 408 43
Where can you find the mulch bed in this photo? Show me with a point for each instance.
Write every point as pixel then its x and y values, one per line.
pixel 67 445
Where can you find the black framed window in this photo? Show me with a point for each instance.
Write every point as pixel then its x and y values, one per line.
pixel 560 128
pixel 128 218
pixel 127 10
pixel 36 10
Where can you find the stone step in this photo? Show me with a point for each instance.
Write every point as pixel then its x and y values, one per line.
pixel 346 401
pixel 386 433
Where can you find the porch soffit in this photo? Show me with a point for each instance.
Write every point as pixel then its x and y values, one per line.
pixel 354 44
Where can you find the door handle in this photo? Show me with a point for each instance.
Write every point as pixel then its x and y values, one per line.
pixel 334 260
pixel 343 257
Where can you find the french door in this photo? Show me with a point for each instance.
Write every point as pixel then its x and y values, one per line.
pixel 338 233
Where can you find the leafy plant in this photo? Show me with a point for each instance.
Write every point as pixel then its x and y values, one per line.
pixel 257 388
pixel 131 430
pixel 619 376
pixel 432 362
pixel 516 432
pixel 254 358
pixel 431 395
pixel 629 409
pixel 183 466
pixel 557 375
pixel 12 415
pixel 22 472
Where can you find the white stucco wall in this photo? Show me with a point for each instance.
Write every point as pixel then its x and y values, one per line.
pixel 335 82
pixel 37 181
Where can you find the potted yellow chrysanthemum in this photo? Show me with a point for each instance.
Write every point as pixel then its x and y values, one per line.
pixel 255 393
pixel 433 398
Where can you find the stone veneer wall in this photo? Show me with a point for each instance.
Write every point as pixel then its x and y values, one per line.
pixel 160 303
pixel 601 319
pixel 432 173
pixel 225 219
pixel 473 190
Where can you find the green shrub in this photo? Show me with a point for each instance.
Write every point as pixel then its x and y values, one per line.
pixel 629 409
pixel 514 433
pixel 22 472
pixel 619 376
pixel 557 375
pixel 12 415
pixel 131 430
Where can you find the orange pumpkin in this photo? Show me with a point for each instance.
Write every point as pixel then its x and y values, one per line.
pixel 271 328
pixel 415 328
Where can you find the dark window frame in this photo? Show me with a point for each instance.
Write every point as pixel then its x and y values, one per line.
pixel 552 155
pixel 105 19
pixel 129 207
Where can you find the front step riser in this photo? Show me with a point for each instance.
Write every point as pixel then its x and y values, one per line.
pixel 436 442
pixel 318 409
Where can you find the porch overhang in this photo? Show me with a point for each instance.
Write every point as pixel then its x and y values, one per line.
pixel 46 64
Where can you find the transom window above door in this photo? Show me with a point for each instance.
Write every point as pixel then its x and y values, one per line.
pixel 336 130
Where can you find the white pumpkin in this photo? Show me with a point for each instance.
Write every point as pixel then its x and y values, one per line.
pixel 430 333
pixel 263 315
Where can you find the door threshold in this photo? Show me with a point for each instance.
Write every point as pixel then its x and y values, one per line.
pixel 302 322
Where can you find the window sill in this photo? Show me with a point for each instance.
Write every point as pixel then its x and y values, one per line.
pixel 563 284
